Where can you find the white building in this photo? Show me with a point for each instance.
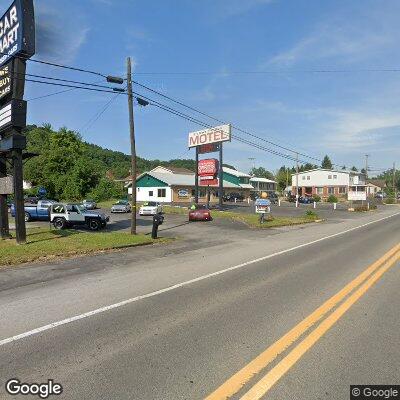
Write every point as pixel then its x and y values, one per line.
pixel 263 184
pixel 324 182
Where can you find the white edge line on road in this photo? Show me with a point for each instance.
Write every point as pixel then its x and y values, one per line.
pixel 178 285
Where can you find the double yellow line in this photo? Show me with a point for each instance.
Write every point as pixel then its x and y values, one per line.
pixel 357 287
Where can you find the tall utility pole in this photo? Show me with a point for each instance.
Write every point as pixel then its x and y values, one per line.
pixel 366 167
pixel 394 181
pixel 252 159
pixel 297 176
pixel 133 146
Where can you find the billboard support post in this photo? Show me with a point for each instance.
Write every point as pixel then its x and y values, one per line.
pixel 4 225
pixel 220 177
pixel 20 229
pixel 196 178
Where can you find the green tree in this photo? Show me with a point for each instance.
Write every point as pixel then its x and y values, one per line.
pixel 261 172
pixel 353 168
pixel 326 163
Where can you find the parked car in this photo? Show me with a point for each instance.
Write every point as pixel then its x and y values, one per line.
pixel 64 216
pixel 199 212
pixel 151 208
pixel 39 212
pixel 306 200
pixel 380 195
pixel 121 206
pixel 89 204
pixel 233 196
pixel 273 197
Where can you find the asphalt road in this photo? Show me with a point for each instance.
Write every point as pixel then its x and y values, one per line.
pixel 209 309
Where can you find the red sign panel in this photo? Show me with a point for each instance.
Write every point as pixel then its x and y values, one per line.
pixel 208 182
pixel 208 167
pixel 208 148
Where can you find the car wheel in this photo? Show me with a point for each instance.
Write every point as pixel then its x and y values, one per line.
pixel 59 223
pixel 27 217
pixel 94 224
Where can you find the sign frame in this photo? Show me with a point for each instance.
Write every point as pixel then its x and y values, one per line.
pixel 217 134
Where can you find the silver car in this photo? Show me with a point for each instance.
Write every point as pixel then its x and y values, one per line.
pixel 121 206
pixel 89 204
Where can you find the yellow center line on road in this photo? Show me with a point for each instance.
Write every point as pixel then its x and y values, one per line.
pixel 238 380
pixel 264 384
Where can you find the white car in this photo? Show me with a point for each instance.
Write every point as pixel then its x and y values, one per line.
pixel 150 208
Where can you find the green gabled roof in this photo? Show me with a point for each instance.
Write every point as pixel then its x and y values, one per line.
pixel 147 180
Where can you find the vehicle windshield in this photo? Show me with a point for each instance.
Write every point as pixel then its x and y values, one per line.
pixel 151 204
pixel 121 203
pixel 76 208
pixel 88 201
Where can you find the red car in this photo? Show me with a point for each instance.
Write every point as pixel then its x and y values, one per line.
pixel 199 213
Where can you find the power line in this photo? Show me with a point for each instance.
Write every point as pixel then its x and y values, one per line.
pixel 277 71
pixel 98 114
pixel 220 121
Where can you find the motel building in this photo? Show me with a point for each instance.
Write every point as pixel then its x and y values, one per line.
pixel 324 182
pixel 263 185
pixel 177 185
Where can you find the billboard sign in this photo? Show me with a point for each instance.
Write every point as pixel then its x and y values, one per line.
pixel 17 31
pixel 6 80
pixel 357 195
pixel 208 167
pixel 218 134
pixel 209 148
pixel 13 114
pixel 263 206
pixel 208 181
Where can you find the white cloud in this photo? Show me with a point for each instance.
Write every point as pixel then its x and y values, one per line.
pixel 53 43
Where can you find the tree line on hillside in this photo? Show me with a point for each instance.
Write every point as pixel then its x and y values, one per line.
pixel 72 169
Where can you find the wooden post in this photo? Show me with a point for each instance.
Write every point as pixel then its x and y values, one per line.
pixel 20 227
pixel 133 145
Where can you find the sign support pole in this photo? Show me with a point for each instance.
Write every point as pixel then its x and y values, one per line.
pixel 220 177
pixel 20 228
pixel 4 223
pixel 133 145
pixel 196 177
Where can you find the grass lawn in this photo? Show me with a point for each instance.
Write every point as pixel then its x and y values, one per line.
pixel 251 220
pixel 43 243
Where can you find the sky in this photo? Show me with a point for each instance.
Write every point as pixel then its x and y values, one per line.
pixel 305 74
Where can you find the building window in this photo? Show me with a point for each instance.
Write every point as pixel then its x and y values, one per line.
pixel 161 193
pixel 329 176
pixel 342 189
pixel 331 190
pixel 150 193
pixel 334 176
pixel 320 190
pixel 303 177
pixel 308 177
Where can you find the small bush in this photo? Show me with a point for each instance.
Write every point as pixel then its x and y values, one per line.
pixel 332 199
pixel 390 200
pixel 311 214
pixel 317 198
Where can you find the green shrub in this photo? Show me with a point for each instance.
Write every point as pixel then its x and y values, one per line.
pixel 317 198
pixel 106 190
pixel 332 199
pixel 311 214
pixel 390 200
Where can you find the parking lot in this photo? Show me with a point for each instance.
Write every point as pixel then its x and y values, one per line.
pixel 177 225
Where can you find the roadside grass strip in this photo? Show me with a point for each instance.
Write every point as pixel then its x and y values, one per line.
pixel 332 310
pixel 251 220
pixel 43 243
